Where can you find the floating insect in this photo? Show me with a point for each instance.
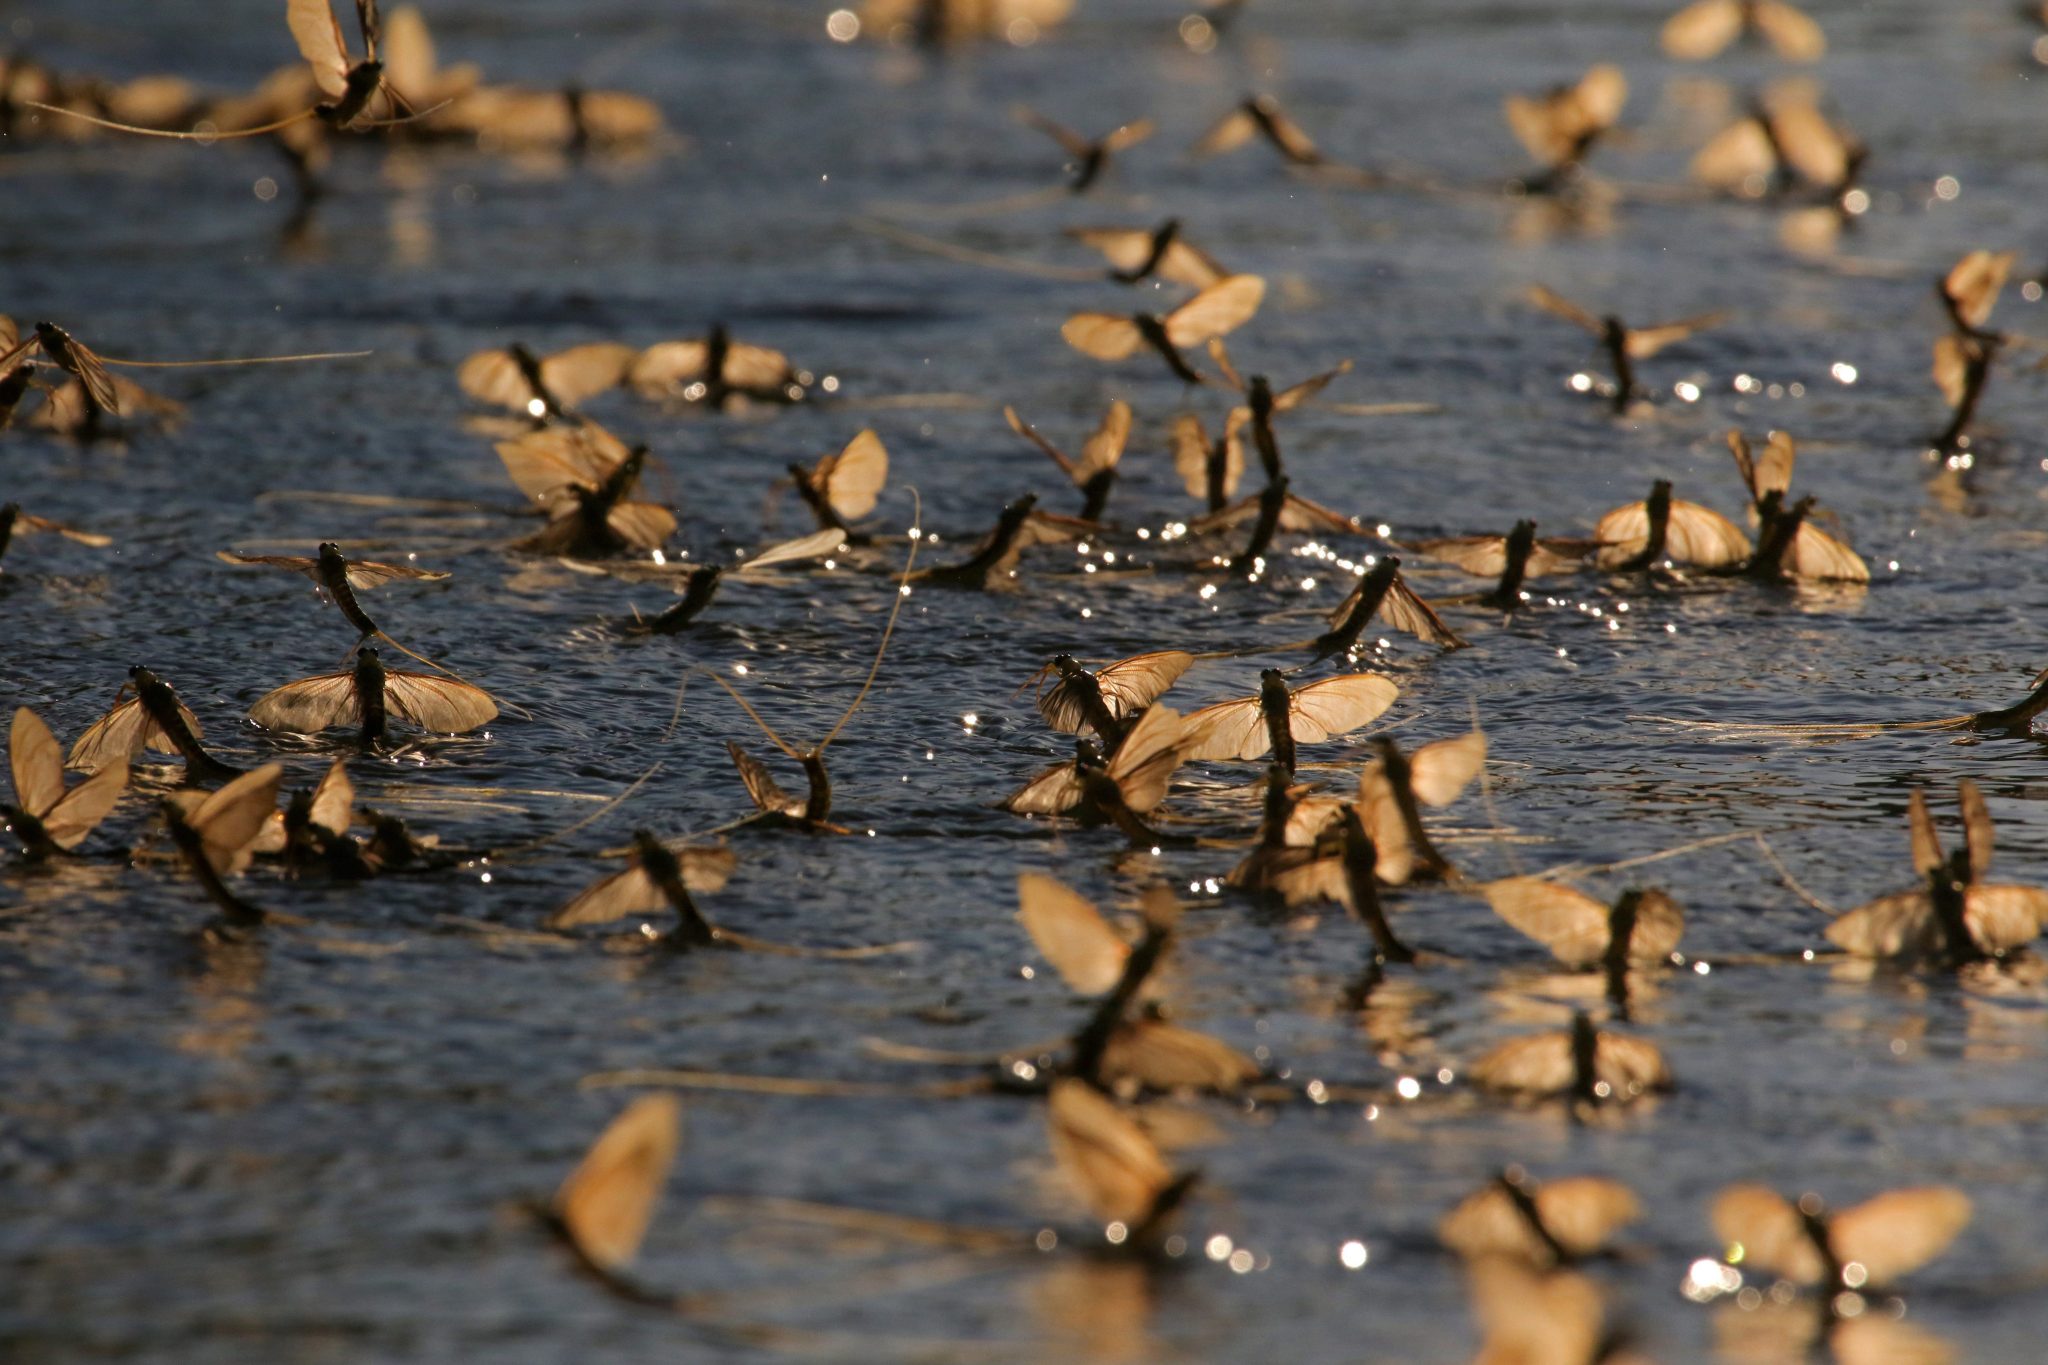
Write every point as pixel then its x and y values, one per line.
pixel 1789 545
pixel 1589 1066
pixel 1117 789
pixel 155 719
pixel 1114 1166
pixel 1640 931
pixel 1278 717
pixel 1641 535
pixel 1107 701
pixel 935 23
pixel 545 388
pixel 1137 254
pixel 1273 509
pixel 349 83
pixel 1556 1222
pixel 1210 471
pixel 1095 472
pixel 1262 404
pixel 1261 116
pixel 589 520
pixel 1867 1246
pixel 370 695
pixel 1511 559
pixel 1560 127
pixel 1702 30
pixel 216 834
pixel 656 877
pixel 1954 917
pixel 70 355
pixel 15 522
pixel 337 577
pixel 1393 788
pixel 1963 357
pixel 993 565
pixel 312 832
pixel 1384 595
pixel 602 1211
pixel 46 818
pixel 1222 307
pixel 715 371
pixel 1091 156
pixel 1784 137
pixel 843 487
pixel 1623 344
pixel 698 590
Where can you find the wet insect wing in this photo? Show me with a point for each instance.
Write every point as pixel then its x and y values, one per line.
pixel 1740 159
pixel 641 525
pixel 761 786
pixel 1573 925
pixel 1404 611
pixel 123 733
pixel 332 807
pixel 1899 1231
pixel 1110 1162
pixel 583 372
pixel 229 821
pixel 1217 310
pixel 1154 1055
pixel 1144 764
pixel 1054 791
pixel 852 479
pixel 310 705
pixel 33 763
pixel 1644 342
pixel 1480 556
pixel 1902 927
pixel 1337 706
pixel 1972 286
pixel 1925 843
pixel 1379 814
pixel 318 34
pixel 443 705
pixel 628 892
pixel 1070 934
pixel 1105 447
pixel 411 66
pixel 1693 535
pixel 813 546
pixel 1814 554
pixel 1130 685
pixel 2002 918
pixel 544 464
pixel 605 1205
pixel 1979 835
pixel 1758 1227
pixel 71 355
pixel 1105 336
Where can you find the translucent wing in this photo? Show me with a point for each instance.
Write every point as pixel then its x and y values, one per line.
pixel 1227 729
pixel 1898 1231
pixel 1129 135
pixel 1629 1066
pixel 1438 772
pixel 333 804
pixel 543 463
pixel 1925 843
pixel 585 371
pixel 294 563
pixel 1103 449
pixel 1051 792
pixel 1053 452
pixel 1290 137
pixel 228 821
pixel 1123 248
pixel 1702 30
pixel 854 476
pixel 29 523
pixel 1573 925
pixel 1974 282
pixel 1660 924
pixel 1227 134
pixel 2002 918
pixel 668 365
pixel 1979 835
pixel 1772 471
pixel 1793 35
pixel 1817 555
pixel 1550 301
pixel 1487 1223
pixel 1337 706
pixel 310 705
pixel 1380 812
pixel 1529 1318
pixel 1071 142
pixel 1144 764
pixel 34 763
pixel 1185 264
pixel 1404 611
pixel 1222 307
pixel 1739 159
pixel 1294 395
pixel 368 573
pixel 608 1200
pixel 1191 454
pixel 446 706
pixel 1758 1227
pixel 1810 144
pixel 1951 368
pixel 641 525
pixel 1162 1056
pixel 1700 535
pixel 1584 1212
pixel 1106 1156
pixel 79 811
pixel 628 892
pixel 1104 336
pixel 1481 556
pixel 1537 1065
pixel 123 733
pixel 612 116
pixel 1900 927
pixel 1623 534
pixel 1081 946
pixel 494 377
pixel 1600 95
pixel 761 786
pixel 1537 125
pixel 1644 342
pixel 813 546
pixel 757 369
pixel 1299 514
pixel 1558 554
pixel 1130 685
pixel 318 34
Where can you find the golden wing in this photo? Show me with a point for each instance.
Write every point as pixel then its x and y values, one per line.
pixel 1550 301
pixel 1405 611
pixel 34 763
pixel 668 365
pixel 1979 835
pixel 1702 30
pixel 368 573
pixel 1183 263
pixel 1660 924
pixel 1104 336
pixel 1106 1156
pixel 544 463
pixel 1756 1226
pixel 1070 934
pixel 1623 534
pixel 445 706
pixel 1051 792
pixel 1793 35
pixel 1438 772
pixel 122 733
pixel 318 34
pixel 1900 927
pixel 2002 918
pixel 1227 134
pixel 585 371
pixel 1294 395
pixel 813 546
pixel 1481 556
pixel 1584 1212
pixel 28 522
pixel 1738 160
pixel 642 525
pixel 628 892
pixel 1699 535
pixel 493 376
pixel 334 799
pixel 1337 706
pixel 228 821
pixel 1123 248
pixel 309 705
pixel 1380 813
pixel 1162 1056
pixel 1103 449
pixel 756 369
pixel 1191 454
pixel 1920 835
pixel 1529 1318
pixel 1974 282
pixel 1951 368
pixel 1144 764
pixel 1227 729
pixel 1817 555
pixel 1573 925
pixel 1644 342
pixel 1810 144
pixel 1129 135
pixel 1130 685
pixel 1222 307
pixel 79 811
pixel 1898 1231
pixel 608 1200
pixel 1629 1066
pixel 1487 1223
pixel 1537 126
pixel 1537 1065
pixel 856 476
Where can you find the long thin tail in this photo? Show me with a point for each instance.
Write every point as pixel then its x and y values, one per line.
pixel 98 122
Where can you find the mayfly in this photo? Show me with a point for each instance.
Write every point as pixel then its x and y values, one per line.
pixel 312 832
pixel 337 577
pixel 1384 595
pixel 1278 718
pixel 993 565
pixel 714 370
pixel 1783 137
pixel 1954 917
pixel 698 590
pixel 155 719
pixel 15 522
pixel 602 1210
pixel 1115 790
pixel 1641 535
pixel 1560 127
pixel 1639 931
pixel 1589 1066
pixel 1222 307
pixel 1090 155
pixel 1623 344
pixel 1546 1224
pixel 1095 472
pixel 1107 701
pixel 1210 470
pixel 656 877
pixel 217 832
pixel 545 388
pixel 1262 404
pixel 1137 254
pixel 1788 543
pixel 1261 116
pixel 843 487
pixel 1510 560
pixel 1703 29
pixel 1963 357
pixel 369 695
pixel 1864 1247
pixel 45 817
pixel 1114 1166
pixel 593 520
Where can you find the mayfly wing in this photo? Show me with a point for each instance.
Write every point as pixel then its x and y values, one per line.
pixel 1337 706
pixel 309 705
pixel 444 705
pixel 1220 308
pixel 1437 772
pixel 318 34
pixel 1105 336
pixel 607 1202
pixel 1570 923
pixel 1070 934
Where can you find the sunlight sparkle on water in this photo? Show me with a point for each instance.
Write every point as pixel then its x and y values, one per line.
pixel 1353 1255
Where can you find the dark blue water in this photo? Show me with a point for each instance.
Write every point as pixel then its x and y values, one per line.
pixel 313 1145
